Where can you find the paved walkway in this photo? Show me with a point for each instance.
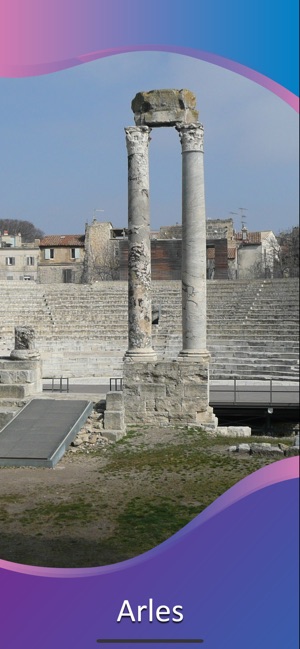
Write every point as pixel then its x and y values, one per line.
pixel 40 434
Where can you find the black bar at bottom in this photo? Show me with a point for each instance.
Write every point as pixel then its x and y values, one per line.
pixel 150 641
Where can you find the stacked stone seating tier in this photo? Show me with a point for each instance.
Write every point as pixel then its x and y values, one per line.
pixel 81 330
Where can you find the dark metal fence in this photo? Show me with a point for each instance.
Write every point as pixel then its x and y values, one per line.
pixel 237 392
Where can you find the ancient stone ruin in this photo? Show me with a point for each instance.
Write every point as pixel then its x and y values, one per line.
pixel 154 391
pixel 24 344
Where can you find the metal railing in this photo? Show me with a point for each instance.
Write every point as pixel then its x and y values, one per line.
pixel 61 387
pixel 116 384
pixel 267 390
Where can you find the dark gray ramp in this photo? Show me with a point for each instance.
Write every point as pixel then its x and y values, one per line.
pixel 40 434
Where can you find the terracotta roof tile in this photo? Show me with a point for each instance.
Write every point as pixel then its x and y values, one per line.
pixel 63 240
pixel 252 237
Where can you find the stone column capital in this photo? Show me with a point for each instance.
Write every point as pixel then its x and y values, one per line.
pixel 137 139
pixel 191 136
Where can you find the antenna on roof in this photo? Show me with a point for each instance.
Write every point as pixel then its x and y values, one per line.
pixel 94 212
pixel 243 217
pixel 233 214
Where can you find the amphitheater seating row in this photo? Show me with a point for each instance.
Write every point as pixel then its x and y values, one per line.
pixel 81 330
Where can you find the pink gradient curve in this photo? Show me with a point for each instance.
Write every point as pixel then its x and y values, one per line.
pixel 55 66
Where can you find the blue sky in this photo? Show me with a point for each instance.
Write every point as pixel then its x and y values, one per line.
pixel 63 152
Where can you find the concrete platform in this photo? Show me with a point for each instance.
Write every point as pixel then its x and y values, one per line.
pixel 42 431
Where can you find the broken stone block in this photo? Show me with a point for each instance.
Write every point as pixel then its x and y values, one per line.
pixel 113 421
pixel 24 338
pixel 114 401
pixel 265 450
pixel 244 448
pixel 156 108
pixel 239 431
pixel 24 344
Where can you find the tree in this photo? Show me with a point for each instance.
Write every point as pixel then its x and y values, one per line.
pixel 28 231
pixel 288 256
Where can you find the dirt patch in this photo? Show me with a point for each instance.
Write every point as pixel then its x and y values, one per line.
pixel 116 501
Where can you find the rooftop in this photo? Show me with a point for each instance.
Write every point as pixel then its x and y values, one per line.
pixel 63 240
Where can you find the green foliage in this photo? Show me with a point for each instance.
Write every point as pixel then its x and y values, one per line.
pixel 28 231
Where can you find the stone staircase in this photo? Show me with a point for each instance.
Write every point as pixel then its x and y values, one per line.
pixel 252 329
pixel 22 303
pixel 81 330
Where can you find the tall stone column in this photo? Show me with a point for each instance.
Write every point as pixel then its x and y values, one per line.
pixel 139 249
pixel 193 243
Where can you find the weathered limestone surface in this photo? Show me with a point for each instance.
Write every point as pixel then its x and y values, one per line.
pixel 19 381
pixel 114 427
pixel 234 431
pixel 193 242
pixel 24 338
pixel 164 393
pixel 164 108
pixel 114 401
pixel 139 253
pixel 24 344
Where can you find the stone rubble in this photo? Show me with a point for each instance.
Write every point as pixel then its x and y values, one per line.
pixel 265 449
pixel 92 435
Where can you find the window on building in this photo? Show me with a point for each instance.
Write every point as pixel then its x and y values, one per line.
pixel 10 261
pixel 30 261
pixel 49 253
pixel 75 253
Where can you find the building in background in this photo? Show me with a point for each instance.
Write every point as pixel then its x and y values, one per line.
pixel 61 259
pixel 101 253
pixel 257 254
pixel 18 260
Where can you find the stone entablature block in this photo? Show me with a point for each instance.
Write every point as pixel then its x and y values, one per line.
pixel 164 108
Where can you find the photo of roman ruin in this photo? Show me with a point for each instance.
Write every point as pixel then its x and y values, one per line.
pixel 142 372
